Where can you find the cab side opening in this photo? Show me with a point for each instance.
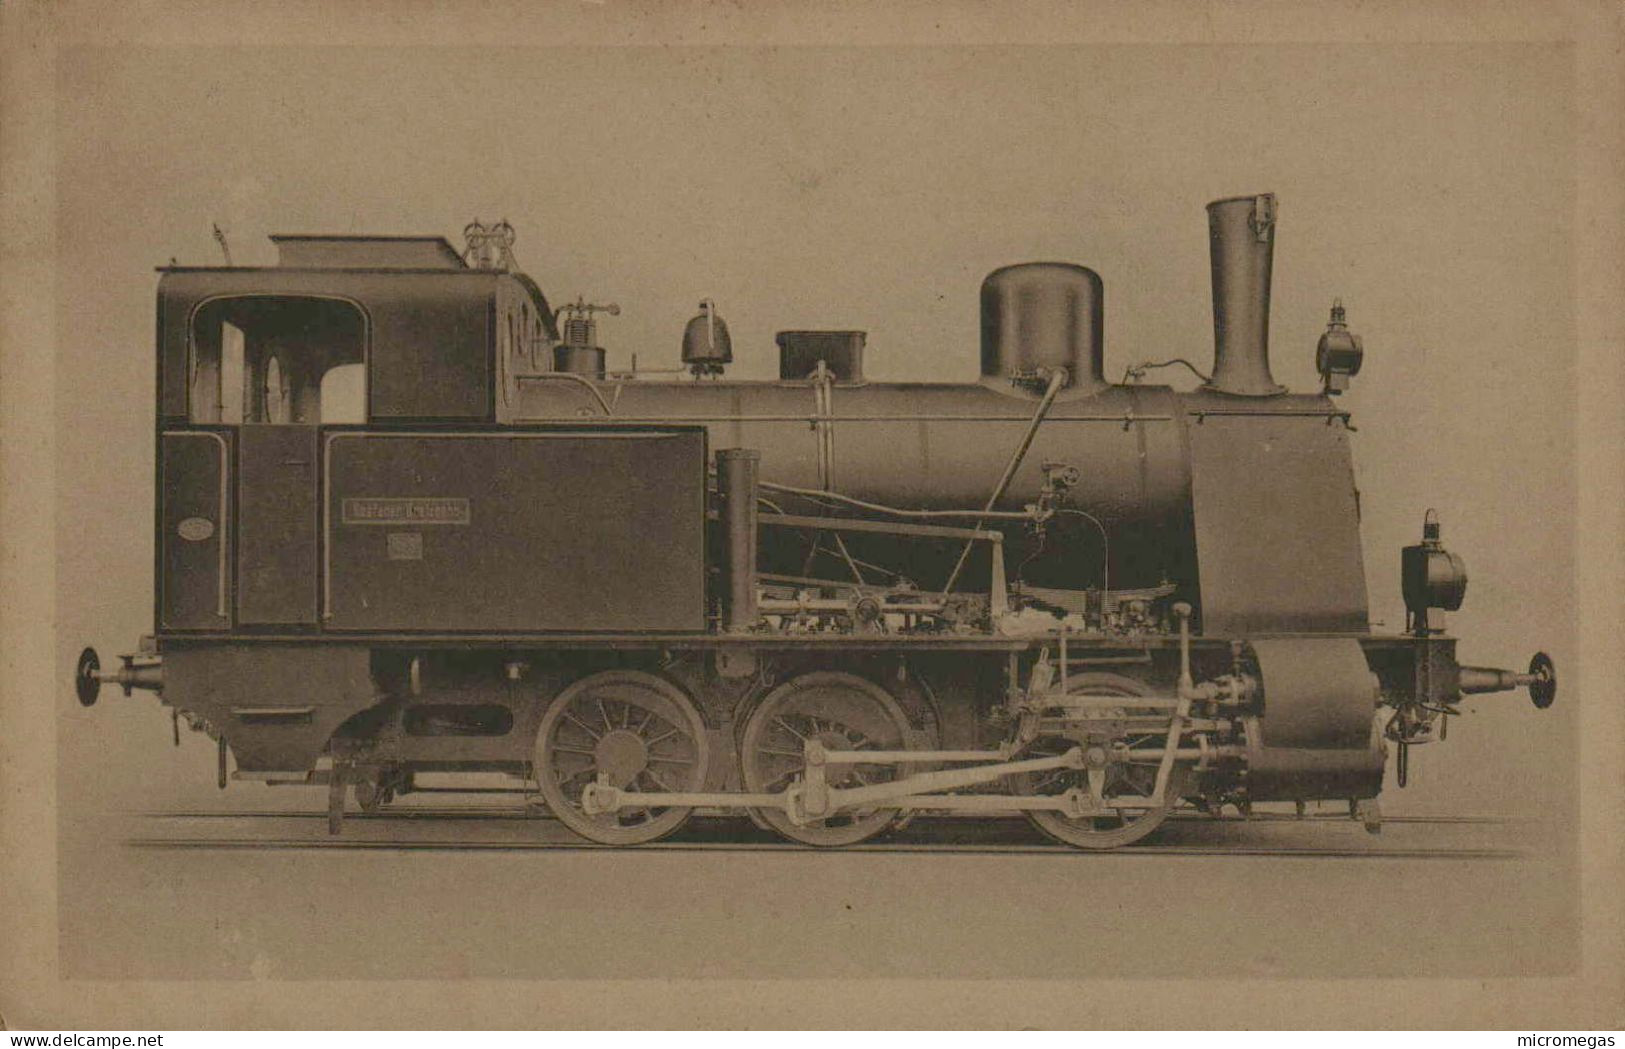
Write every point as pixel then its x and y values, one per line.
pixel 278 360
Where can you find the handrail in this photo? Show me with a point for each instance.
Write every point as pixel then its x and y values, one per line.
pixel 572 377
pixel 818 493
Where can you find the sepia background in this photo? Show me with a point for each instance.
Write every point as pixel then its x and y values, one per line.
pixel 1431 186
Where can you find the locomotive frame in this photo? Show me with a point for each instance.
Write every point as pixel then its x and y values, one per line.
pixel 469 601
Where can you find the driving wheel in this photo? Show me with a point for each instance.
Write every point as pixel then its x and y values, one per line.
pixel 632 730
pixel 1113 827
pixel 841 711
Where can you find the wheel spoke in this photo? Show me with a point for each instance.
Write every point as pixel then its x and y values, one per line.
pixel 562 749
pixel 662 784
pixel 602 713
pixel 650 743
pixel 652 724
pixel 771 786
pixel 582 725
pixel 786 726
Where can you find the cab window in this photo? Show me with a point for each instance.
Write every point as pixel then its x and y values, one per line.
pixel 278 359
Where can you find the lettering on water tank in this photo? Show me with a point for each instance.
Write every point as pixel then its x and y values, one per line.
pixel 416 511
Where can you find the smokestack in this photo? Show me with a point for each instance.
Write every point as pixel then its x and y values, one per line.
pixel 1241 237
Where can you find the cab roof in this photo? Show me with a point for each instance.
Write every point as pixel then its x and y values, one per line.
pixel 353 251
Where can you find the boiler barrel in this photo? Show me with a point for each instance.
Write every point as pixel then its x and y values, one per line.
pixel 941 446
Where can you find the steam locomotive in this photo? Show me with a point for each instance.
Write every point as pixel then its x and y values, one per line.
pixel 408 521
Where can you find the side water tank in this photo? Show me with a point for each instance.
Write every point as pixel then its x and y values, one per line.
pixel 1044 315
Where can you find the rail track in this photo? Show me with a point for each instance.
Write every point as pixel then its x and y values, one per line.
pixel 516 829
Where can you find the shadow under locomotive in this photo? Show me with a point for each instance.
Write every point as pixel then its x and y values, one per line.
pixel 408 522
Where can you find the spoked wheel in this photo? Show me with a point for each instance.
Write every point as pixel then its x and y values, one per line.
pixel 841 711
pixel 1115 827
pixel 636 730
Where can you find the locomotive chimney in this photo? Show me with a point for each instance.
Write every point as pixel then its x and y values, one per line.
pixel 1041 315
pixel 1241 237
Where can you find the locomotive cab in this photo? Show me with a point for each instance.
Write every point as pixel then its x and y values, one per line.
pixel 344 331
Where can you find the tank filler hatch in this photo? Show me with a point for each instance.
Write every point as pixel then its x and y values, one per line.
pixel 841 352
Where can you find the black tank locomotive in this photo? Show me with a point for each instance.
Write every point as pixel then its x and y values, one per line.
pixel 408 522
